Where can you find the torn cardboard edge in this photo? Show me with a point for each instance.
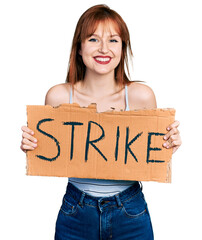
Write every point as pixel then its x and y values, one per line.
pixel 76 141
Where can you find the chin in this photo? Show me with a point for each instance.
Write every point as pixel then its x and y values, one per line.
pixel 103 72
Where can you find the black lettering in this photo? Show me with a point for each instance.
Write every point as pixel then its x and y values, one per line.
pixel 150 134
pixel 72 137
pixel 50 136
pixel 129 143
pixel 117 143
pixel 88 141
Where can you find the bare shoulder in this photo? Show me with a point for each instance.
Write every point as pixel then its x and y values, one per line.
pixel 141 96
pixel 58 94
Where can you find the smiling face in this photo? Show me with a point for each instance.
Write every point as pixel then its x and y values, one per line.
pixel 101 52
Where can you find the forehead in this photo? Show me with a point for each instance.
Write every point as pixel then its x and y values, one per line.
pixel 106 26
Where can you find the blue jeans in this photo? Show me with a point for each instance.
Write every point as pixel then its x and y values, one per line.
pixel 123 216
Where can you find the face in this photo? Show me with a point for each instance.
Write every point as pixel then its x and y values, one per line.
pixel 101 52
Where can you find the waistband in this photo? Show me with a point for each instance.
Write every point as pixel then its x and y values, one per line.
pixel 82 198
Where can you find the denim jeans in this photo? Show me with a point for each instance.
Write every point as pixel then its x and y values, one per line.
pixel 123 216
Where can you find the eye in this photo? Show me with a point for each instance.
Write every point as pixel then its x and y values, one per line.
pixel 113 40
pixel 93 40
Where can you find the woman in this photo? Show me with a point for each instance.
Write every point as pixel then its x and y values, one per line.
pixel 92 208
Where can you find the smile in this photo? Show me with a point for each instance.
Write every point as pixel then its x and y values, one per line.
pixel 102 60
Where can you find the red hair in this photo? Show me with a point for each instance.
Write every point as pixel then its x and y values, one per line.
pixel 86 26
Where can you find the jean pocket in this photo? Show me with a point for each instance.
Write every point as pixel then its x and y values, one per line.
pixel 135 206
pixel 68 208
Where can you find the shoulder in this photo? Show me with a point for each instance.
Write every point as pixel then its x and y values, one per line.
pixel 58 94
pixel 141 96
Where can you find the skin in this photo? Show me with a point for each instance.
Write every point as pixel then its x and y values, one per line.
pixel 99 86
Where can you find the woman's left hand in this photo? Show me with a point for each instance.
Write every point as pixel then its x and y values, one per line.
pixel 173 139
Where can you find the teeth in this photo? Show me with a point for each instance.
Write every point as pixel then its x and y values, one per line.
pixel 102 59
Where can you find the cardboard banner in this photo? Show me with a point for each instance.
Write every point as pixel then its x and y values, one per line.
pixel 75 141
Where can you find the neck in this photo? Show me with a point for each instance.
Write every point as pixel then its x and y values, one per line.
pixel 99 85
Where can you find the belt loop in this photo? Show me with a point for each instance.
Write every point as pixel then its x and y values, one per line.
pixel 141 186
pixel 120 204
pixel 81 199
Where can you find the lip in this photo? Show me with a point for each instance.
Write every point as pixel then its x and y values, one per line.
pixel 102 59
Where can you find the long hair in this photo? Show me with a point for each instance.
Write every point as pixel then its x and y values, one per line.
pixel 86 26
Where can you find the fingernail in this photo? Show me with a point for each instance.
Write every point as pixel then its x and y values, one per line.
pixel 164 144
pixel 168 128
pixel 164 137
pixel 35 140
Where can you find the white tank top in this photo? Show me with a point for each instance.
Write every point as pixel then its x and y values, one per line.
pixel 101 187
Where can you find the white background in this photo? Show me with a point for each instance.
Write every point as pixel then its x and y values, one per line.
pixel 35 42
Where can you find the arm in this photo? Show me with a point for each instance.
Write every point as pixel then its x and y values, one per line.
pixel 143 97
pixel 54 97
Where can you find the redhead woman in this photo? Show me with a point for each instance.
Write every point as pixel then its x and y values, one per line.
pixel 95 209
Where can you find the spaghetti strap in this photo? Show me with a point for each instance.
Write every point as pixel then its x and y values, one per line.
pixel 126 97
pixel 70 95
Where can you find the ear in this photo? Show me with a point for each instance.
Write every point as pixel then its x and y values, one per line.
pixel 80 52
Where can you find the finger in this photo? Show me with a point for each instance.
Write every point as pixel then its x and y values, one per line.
pixel 175 124
pixel 175 145
pixel 29 143
pixel 21 147
pixel 25 147
pixel 166 144
pixel 173 131
pixel 171 144
pixel 173 137
pixel 28 130
pixel 28 136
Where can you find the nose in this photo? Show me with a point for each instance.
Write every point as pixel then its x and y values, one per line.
pixel 103 47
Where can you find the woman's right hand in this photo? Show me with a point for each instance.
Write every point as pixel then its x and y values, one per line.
pixel 28 141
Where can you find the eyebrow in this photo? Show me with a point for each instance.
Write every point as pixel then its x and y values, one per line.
pixel 112 35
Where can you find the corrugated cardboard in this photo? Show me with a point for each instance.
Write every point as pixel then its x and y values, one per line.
pixel 75 141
